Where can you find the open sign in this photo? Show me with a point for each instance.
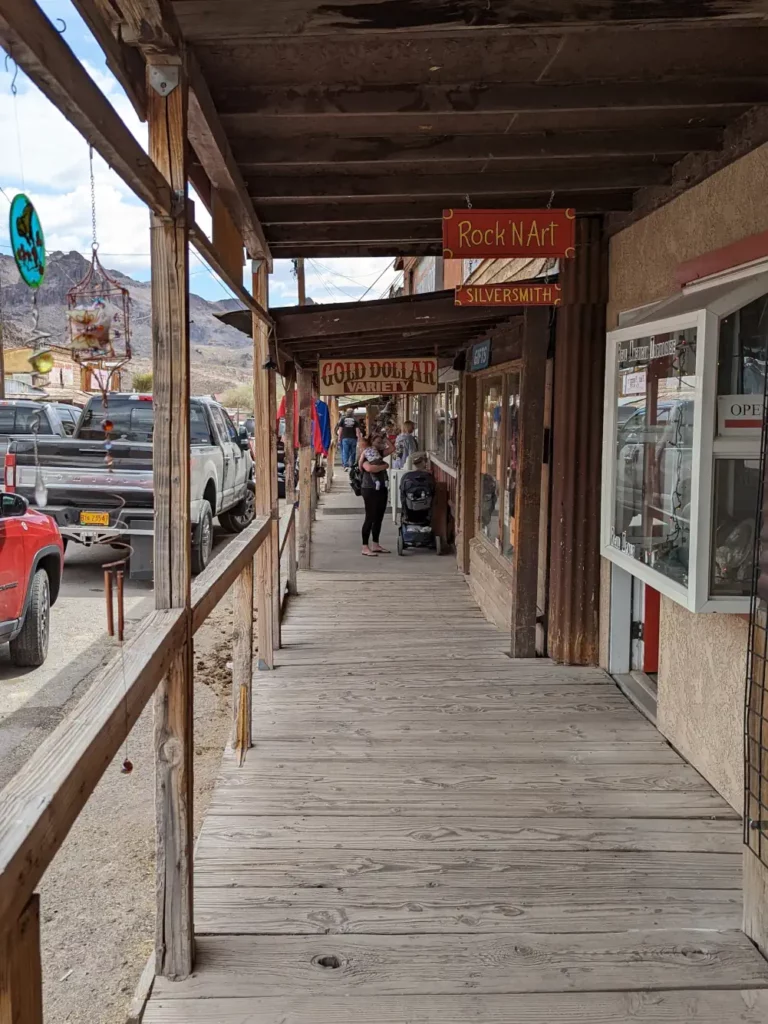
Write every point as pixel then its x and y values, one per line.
pixel 739 414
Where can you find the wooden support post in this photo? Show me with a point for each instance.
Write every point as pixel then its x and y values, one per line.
pixel 305 467
pixel 466 483
pixel 577 439
pixel 21 976
pixel 274 546
pixel 242 661
pixel 265 429
pixel 525 559
pixel 174 939
pixel 290 462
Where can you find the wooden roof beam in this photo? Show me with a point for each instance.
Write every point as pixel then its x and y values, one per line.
pixel 263 153
pixel 416 101
pixel 41 51
pixel 151 26
pixel 600 176
pixel 122 60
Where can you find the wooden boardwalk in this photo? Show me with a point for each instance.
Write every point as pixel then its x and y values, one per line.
pixel 429 833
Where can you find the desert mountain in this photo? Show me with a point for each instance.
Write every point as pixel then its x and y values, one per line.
pixel 221 355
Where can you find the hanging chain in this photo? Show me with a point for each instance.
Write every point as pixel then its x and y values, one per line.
pixel 551 199
pixel 94 243
pixel 469 201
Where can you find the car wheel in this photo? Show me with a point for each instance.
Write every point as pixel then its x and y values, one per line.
pixel 242 515
pixel 31 645
pixel 202 539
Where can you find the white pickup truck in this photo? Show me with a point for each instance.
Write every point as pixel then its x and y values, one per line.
pixel 98 504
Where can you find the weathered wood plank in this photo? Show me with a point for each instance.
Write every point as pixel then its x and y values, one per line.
pixel 745 1006
pixel 242 660
pixel 264 428
pixel 351 799
pixel 387 910
pixel 343 703
pixel 304 377
pixel 21 975
pixel 474 831
pixel 445 776
pixel 224 865
pixel 174 739
pixel 256 966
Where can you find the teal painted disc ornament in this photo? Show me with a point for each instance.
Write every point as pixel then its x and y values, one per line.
pixel 27 240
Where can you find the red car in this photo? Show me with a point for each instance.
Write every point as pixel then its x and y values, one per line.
pixel 31 564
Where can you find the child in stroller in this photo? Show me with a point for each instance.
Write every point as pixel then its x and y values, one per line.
pixel 417 492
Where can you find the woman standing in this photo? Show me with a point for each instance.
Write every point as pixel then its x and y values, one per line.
pixel 374 490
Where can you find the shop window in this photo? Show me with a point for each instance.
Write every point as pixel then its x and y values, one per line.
pixel 491 480
pixel 683 419
pixel 511 461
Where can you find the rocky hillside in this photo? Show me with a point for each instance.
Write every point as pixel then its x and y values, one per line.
pixel 221 355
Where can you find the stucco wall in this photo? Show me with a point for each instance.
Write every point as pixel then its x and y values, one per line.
pixel 702 658
pixel 702 662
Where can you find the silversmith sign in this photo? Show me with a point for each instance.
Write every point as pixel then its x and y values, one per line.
pixel 378 376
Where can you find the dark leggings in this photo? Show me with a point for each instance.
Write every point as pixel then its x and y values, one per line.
pixel 375 507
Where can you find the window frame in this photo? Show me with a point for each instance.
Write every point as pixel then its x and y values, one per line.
pixel 503 370
pixel 706 446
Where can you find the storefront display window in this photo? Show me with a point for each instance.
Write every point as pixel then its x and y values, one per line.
pixel 511 461
pixel 491 481
pixel 683 418
pixel 656 391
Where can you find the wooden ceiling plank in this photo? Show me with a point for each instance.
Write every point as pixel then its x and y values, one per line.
pixel 227 19
pixel 261 153
pixel 413 101
pixel 41 51
pixel 426 209
pixel 372 231
pixel 600 177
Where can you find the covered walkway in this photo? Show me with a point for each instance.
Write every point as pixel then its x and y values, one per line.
pixel 427 831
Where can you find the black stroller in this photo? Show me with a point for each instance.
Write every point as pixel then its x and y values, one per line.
pixel 417 492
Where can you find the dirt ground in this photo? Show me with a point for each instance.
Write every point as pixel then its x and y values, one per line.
pixel 97 899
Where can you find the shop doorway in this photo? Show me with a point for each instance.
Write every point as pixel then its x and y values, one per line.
pixel 634 639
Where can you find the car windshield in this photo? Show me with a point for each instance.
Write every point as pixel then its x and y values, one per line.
pixel 133 420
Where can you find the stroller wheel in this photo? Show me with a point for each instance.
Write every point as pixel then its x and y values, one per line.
pixel 400 545
pixel 438 544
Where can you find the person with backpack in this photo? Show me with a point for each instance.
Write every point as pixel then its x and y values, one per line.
pixel 373 488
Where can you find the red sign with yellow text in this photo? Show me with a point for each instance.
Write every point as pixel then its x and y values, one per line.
pixel 482 233
pixel 521 293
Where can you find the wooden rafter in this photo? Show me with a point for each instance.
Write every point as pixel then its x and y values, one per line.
pixel 123 61
pixel 33 42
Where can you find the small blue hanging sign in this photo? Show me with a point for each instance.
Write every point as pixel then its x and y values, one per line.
pixel 27 240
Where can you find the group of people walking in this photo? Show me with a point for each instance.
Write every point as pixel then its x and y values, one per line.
pixel 368 454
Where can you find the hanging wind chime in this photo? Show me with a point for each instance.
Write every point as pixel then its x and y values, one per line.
pixel 99 312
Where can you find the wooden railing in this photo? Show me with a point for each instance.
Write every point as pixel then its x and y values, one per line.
pixel 41 803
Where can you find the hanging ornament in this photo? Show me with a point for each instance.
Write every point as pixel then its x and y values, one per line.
pixel 27 240
pixel 98 311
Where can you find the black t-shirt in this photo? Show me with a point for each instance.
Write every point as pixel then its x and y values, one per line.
pixel 349 427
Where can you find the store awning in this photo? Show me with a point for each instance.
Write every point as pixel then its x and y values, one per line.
pixel 410 325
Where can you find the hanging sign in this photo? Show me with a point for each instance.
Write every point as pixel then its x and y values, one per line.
pixel 740 415
pixel 480 355
pixel 522 293
pixel 378 376
pixel 27 240
pixel 509 233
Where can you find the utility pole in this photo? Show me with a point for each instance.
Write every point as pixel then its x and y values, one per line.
pixel 299 265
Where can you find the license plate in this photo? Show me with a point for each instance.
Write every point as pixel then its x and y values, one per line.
pixel 94 518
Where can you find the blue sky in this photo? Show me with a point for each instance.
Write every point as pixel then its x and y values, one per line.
pixel 43 155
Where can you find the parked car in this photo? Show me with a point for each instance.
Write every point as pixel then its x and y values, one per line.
pixel 31 566
pixel 93 503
